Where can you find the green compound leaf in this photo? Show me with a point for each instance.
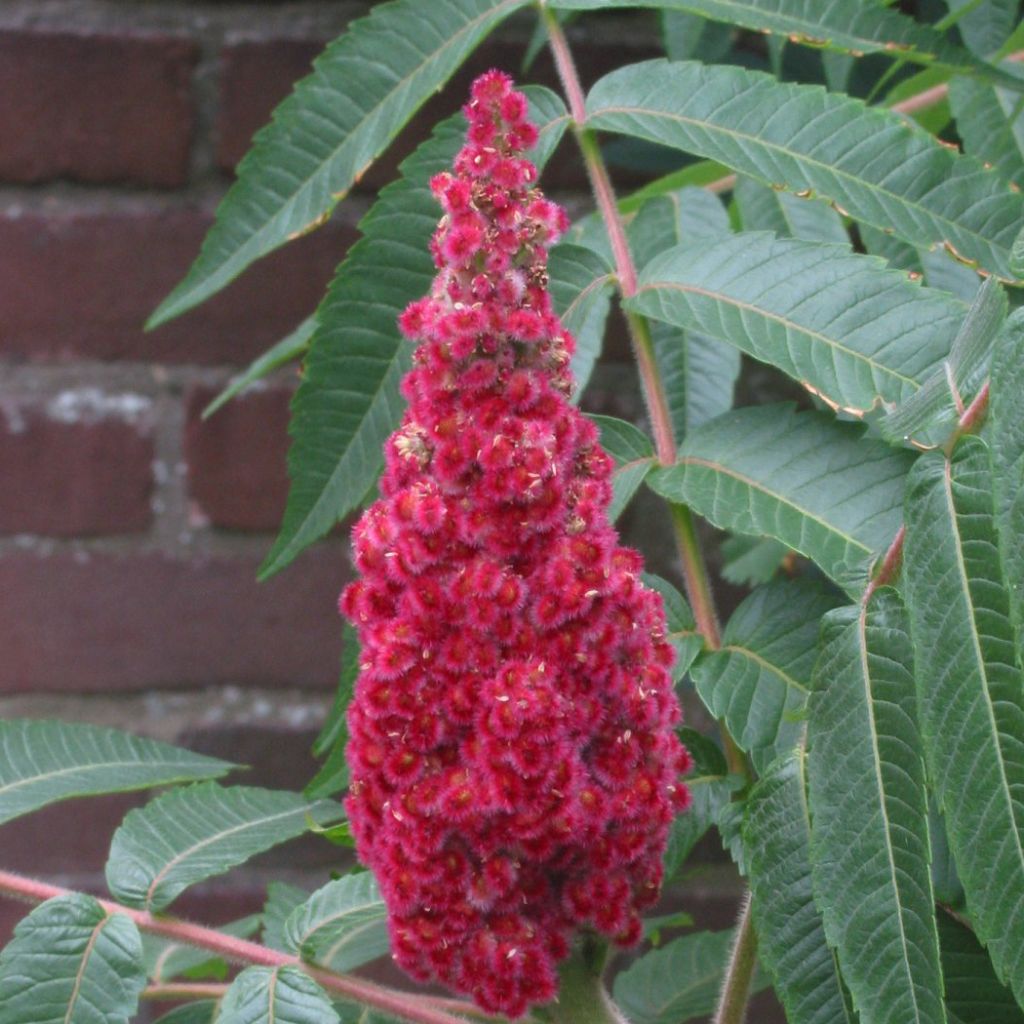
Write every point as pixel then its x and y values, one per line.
pixel 363 89
pixel 769 209
pixel 191 834
pixel 678 981
pixel 70 962
pixel 969 690
pixel 287 349
pixel 711 788
pixel 1007 452
pixel 818 486
pixel 847 26
pixel 581 284
pixel 682 626
pixel 866 160
pixel 698 372
pixel 847 327
pixel 44 761
pixel 990 124
pixel 634 458
pixel 790 935
pixel 759 680
pixel 276 995
pixel 349 402
pixel 342 925
pixel 282 899
pixel 869 838
pixel 973 992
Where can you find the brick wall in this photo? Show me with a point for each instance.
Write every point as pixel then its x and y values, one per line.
pixel 130 529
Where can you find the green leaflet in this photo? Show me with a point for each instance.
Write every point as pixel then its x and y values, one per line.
pixel 845 326
pixel 985 26
pixel 342 925
pixel 677 981
pixel 985 120
pixel 969 690
pixel 634 458
pixel 45 761
pixel 282 899
pixel 869 835
pixel 818 486
pixel 698 372
pixel 349 402
pixel 790 935
pixel 1007 453
pixel 682 627
pixel 848 26
pixel 70 962
pixel 276 995
pixel 973 992
pixel 191 834
pixel 866 160
pixel 581 284
pixel 363 89
pixel 768 209
pixel 202 1012
pixel 758 681
pixel 330 744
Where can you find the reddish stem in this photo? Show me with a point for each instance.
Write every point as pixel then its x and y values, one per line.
pixel 405 1005
pixel 889 568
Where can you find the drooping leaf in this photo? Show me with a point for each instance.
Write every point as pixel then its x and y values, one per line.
pixel 929 413
pixel 71 962
pixel 816 485
pixel 869 836
pixel 288 348
pixel 970 692
pixel 690 35
pixel 276 995
pixel 749 561
pixel 710 788
pixel 44 761
pixel 790 935
pixel 849 26
pixel 194 833
pixel 845 326
pixel 682 627
pixel 581 284
pixel 342 925
pixel 348 402
pixel 789 216
pixel 986 121
pixel 165 959
pixel 759 680
pixel 634 458
pixel 282 899
pixel 973 992
pixel 363 89
pixel 678 981
pixel 985 26
pixel 1007 440
pixel 865 159
pixel 682 215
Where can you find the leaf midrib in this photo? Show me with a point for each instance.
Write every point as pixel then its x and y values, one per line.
pixel 799 157
pixel 83 963
pixel 94 766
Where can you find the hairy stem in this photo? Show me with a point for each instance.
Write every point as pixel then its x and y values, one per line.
pixel 185 990
pixel 407 1006
pixel 582 996
pixel 732 1003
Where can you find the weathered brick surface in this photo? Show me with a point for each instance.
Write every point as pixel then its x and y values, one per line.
pixel 237 459
pixel 73 468
pixel 92 622
pixel 95 106
pixel 80 280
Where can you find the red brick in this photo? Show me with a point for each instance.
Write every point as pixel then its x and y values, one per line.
pixel 95 107
pixel 71 621
pixel 237 459
pixel 80 280
pixel 67 473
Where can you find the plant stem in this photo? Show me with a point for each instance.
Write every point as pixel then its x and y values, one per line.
pixel 405 1005
pixel 732 1003
pixel 582 997
pixel 185 990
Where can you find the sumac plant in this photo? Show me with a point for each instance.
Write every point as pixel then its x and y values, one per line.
pixel 506 752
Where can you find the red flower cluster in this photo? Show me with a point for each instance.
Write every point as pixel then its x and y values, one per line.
pixel 513 757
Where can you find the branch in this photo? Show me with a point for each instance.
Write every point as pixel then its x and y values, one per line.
pixel 408 1006
pixel 732 1003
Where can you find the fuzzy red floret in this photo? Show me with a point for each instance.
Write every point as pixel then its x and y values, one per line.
pixel 514 761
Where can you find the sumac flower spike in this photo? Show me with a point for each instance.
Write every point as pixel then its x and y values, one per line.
pixel 514 762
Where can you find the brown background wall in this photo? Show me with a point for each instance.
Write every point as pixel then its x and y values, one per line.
pixel 130 530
